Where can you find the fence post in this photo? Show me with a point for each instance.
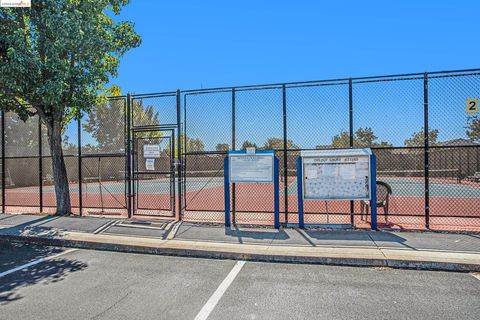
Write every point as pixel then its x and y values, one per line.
pixel 350 125
pixel 285 150
pixel 233 149
pixel 179 154
pixel 185 152
pixel 226 187
pixel 3 160
pixel 40 163
pixel 426 150
pixel 128 170
pixel 80 176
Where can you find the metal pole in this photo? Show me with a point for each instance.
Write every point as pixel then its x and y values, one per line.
pixel 301 220
pixel 276 193
pixel 128 170
pixel 426 150
pixel 350 121
pixel 40 163
pixel 373 198
pixel 80 176
pixel 3 160
pixel 184 151
pixel 233 148
pixel 285 152
pixel 179 156
pixel 226 183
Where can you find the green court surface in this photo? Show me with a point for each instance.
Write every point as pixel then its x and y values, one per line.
pixel 401 187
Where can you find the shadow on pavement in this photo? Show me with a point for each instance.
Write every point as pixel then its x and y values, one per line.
pixel 255 234
pixel 357 237
pixel 14 254
pixel 32 227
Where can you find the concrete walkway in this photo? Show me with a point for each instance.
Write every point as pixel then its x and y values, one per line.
pixel 421 250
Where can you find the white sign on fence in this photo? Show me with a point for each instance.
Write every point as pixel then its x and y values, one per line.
pixel 150 164
pixel 336 175
pixel 151 151
pixel 251 167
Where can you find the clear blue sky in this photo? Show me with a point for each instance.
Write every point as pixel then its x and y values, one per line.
pixel 201 44
pixel 193 44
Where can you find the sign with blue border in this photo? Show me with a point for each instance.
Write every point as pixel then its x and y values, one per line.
pixel 348 173
pixel 341 174
pixel 260 166
pixel 251 167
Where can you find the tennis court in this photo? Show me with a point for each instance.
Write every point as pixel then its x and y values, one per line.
pixel 204 199
pixel 173 159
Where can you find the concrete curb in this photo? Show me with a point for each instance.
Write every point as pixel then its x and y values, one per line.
pixel 323 256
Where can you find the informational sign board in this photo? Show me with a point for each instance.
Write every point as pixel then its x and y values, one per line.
pixel 150 164
pixel 151 151
pixel 336 174
pixel 472 106
pixel 251 167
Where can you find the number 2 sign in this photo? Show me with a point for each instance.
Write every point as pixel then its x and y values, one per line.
pixel 472 105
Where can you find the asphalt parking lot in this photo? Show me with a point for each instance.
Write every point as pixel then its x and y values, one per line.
pixel 83 284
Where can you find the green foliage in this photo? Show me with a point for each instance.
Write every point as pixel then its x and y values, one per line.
pixel 105 122
pixel 362 138
pixel 341 140
pixel 248 144
pixel 473 128
pixel 57 55
pixel 55 58
pixel 277 144
pixel 418 138
pixel 195 145
pixel 21 135
pixel 222 147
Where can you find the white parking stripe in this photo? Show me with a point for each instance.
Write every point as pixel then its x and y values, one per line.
pixel 476 275
pixel 27 265
pixel 217 295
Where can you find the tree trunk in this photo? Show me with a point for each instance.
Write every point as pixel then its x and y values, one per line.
pixel 62 192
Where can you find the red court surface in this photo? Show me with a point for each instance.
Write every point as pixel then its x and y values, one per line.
pixel 254 206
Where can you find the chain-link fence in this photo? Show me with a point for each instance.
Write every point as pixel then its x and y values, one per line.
pixel 162 154
pixel 431 178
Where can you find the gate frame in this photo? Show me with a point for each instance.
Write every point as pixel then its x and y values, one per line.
pixel 171 172
pixel 130 127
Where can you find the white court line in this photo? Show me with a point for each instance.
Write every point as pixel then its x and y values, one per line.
pixel 27 265
pixel 217 295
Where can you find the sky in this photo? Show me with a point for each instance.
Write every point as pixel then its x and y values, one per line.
pixel 195 44
pixel 205 44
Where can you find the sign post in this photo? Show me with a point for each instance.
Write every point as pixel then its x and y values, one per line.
pixel 341 174
pixel 260 166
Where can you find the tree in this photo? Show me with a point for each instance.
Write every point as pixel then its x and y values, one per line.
pixel 55 58
pixel 362 138
pixel 473 128
pixel 195 145
pixel 20 137
pixel 222 147
pixel 277 144
pixel 341 140
pixel 248 144
pixel 105 123
pixel 418 138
